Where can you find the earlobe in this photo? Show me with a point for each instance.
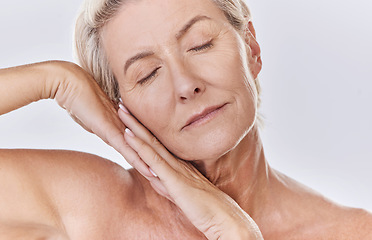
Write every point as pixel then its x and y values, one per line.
pixel 253 50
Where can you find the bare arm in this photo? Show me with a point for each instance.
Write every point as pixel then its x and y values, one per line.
pixel 22 197
pixel 214 213
pixel 23 85
pixel 74 90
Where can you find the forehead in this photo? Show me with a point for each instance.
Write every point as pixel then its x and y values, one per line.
pixel 145 14
pixel 143 23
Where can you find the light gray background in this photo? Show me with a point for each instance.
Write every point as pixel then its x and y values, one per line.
pixel 316 80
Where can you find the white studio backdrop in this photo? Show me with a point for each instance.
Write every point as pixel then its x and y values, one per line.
pixel 316 81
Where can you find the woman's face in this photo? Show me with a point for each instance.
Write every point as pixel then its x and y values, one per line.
pixel 182 72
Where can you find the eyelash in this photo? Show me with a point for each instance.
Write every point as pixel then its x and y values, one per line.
pixel 202 47
pixel 148 77
pixel 195 49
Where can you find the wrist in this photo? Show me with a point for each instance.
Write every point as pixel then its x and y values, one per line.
pixel 55 77
pixel 25 84
pixel 251 232
pixel 243 229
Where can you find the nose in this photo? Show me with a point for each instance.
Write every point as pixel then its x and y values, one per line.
pixel 188 93
pixel 187 85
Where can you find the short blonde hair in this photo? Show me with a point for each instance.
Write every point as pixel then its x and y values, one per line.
pixel 94 15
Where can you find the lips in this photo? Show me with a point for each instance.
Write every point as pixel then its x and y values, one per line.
pixel 206 114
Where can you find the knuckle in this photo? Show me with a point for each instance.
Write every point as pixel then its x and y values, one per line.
pixel 143 145
pixel 154 141
pixel 157 159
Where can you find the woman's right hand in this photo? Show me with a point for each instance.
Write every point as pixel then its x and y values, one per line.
pixel 89 106
pixel 74 90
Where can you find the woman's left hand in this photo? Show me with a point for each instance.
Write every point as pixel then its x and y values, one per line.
pixel 209 209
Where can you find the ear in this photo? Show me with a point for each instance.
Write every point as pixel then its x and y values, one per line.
pixel 253 50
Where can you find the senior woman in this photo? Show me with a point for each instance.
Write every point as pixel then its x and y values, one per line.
pixel 177 96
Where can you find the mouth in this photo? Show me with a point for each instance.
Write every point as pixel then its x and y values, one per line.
pixel 204 116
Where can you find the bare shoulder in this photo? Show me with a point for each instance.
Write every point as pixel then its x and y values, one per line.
pixel 61 167
pixel 65 172
pixel 310 215
pixel 62 189
pixel 340 222
pixel 43 162
pixel 355 224
pixel 347 224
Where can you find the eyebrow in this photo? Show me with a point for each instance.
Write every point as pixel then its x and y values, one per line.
pixel 179 35
pixel 136 57
pixel 189 24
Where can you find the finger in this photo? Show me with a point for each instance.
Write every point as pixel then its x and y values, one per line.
pixel 159 187
pixel 154 160
pixel 110 129
pixel 140 131
pixel 114 137
pixel 136 162
pixel 132 158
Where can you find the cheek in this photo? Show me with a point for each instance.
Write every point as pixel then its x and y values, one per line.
pixel 231 68
pixel 223 65
pixel 150 107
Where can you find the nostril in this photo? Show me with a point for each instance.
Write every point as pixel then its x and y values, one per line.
pixel 187 95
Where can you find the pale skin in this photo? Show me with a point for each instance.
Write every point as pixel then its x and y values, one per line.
pixel 213 181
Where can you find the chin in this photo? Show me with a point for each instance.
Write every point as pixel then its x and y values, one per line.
pixel 213 144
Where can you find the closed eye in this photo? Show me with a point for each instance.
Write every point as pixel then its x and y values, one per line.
pixel 202 47
pixel 149 77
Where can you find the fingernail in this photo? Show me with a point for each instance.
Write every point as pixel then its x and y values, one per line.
pixel 120 100
pixel 121 106
pixel 153 173
pixel 129 132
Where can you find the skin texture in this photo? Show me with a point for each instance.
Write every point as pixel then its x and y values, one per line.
pixel 188 81
pixel 81 196
pixel 215 182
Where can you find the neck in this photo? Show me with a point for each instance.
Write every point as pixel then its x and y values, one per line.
pixel 242 173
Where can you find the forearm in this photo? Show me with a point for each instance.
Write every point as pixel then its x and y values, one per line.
pixel 25 84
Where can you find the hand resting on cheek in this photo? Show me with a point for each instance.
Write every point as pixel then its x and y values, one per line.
pixel 209 209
